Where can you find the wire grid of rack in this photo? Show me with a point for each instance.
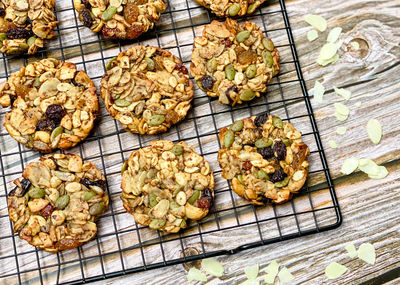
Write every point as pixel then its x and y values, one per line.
pixel 123 247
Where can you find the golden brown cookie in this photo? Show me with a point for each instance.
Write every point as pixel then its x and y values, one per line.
pixel 146 89
pixel 165 185
pixel 231 8
pixel 264 158
pixel 233 62
pixel 55 204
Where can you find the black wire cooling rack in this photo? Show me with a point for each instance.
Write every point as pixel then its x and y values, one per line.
pixel 123 247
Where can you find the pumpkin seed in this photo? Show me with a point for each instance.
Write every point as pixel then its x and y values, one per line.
pixel 268 44
pixel 267 57
pixel 230 72
pixel 156 120
pixel 56 135
pixel 242 36
pixel 240 178
pixel 194 197
pixel 109 13
pixel 282 183
pixel 122 102
pixel 88 195
pixel 97 209
pixel 109 64
pixel 62 202
pixel 31 41
pixel 3 36
pixel 229 138
pixel 237 126
pixel 150 63
pixel 287 142
pixel 251 8
pixel 12 51
pixel 261 174
pixel 251 71
pixel 263 142
pixel 23 46
pixel 153 200
pixel 277 122
pixel 177 150
pixel 234 9
pixel 124 167
pixel 247 95
pixel 156 224
pixel 36 193
pixel 212 64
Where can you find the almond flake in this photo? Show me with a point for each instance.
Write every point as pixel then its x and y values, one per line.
pixel 312 35
pixel 341 111
pixel 366 252
pixel 346 94
pixel 374 130
pixel 334 34
pixel 317 22
pixel 324 62
pixel 341 130
pixel 196 275
pixel 251 271
pixel 334 270
pixel 332 144
pixel 351 250
pixel 272 271
pixel 319 91
pixel 285 276
pixel 213 267
pixel 328 50
pixel 374 171
pixel 349 165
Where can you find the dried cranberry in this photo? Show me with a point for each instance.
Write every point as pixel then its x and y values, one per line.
pixel 110 33
pixel 45 125
pixel 18 33
pixel 266 152
pixel 55 113
pixel 246 165
pixel 180 67
pixel 207 82
pixel 227 42
pixel 280 150
pixel 87 4
pixel 46 211
pixel 260 119
pixel 86 18
pixel 277 176
pixel 2 12
pixel 25 184
pixel 205 200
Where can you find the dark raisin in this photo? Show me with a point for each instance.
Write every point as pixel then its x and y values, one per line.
pixel 266 152
pixel 75 83
pixel 55 113
pixel 46 211
pixel 280 150
pixel 2 12
pixel 45 125
pixel 246 165
pixel 233 88
pixel 205 200
pixel 87 4
pixel 180 67
pixel 99 183
pixel 227 42
pixel 260 119
pixel 25 184
pixel 277 176
pixel 12 192
pixel 18 33
pixel 86 18
pixel 265 200
pixel 13 98
pixel 207 82
pixel 158 53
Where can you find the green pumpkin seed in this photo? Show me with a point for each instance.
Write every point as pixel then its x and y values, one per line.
pixel 212 64
pixel 194 197
pixel 261 174
pixel 234 9
pixel 153 200
pixel 31 41
pixel 88 195
pixel 109 64
pixel 23 46
pixel 36 193
pixel 237 126
pixel 251 71
pixel 122 102
pixel 3 36
pixel 177 150
pixel 97 209
pixel 109 13
pixel 156 120
pixel 55 133
pixel 251 8
pixel 240 178
pixel 62 202
pixel 287 142
pixel 229 138
pixel 124 167
pixel 247 95
pixel 242 36
pixel 267 57
pixel 156 224
pixel 150 63
pixel 263 142
pixel 268 44
pixel 277 122
pixel 230 72
pixel 12 51
pixel 36 83
pixel 282 183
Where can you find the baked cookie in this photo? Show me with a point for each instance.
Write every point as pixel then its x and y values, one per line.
pixel 56 202
pixel 147 89
pixel 120 19
pixel 24 25
pixel 231 8
pixel 52 105
pixel 264 158
pixel 233 62
pixel 165 185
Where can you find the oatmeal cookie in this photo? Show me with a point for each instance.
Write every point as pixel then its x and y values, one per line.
pixel 52 105
pixel 147 89
pixel 55 203
pixel 165 185
pixel 233 62
pixel 231 8
pixel 24 25
pixel 120 19
pixel 264 158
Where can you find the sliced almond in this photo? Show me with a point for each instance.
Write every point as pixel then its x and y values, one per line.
pixel 317 21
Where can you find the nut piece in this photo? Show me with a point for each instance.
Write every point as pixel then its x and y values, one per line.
pixel 165 185
pixel 231 8
pixel 52 213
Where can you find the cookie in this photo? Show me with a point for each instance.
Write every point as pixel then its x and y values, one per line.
pixel 146 89
pixel 55 203
pixel 233 62
pixel 52 105
pixel 264 158
pixel 24 25
pixel 120 19
pixel 165 185
pixel 231 8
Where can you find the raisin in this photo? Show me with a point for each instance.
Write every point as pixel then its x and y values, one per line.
pixel 266 152
pixel 205 200
pixel 277 176
pixel 180 67
pixel 12 192
pixel 265 200
pixel 13 98
pixel 227 42
pixel 246 165
pixel 98 183
pixel 86 18
pixel 18 33
pixel 46 211
pixel 45 125
pixel 207 82
pixel 55 113
pixel 247 57
pixel 2 12
pixel 131 12
pixel 25 184
pixel 260 119
pixel 87 4
pixel 171 117
pixel 67 243
pixel 280 150
pixel 233 88
pixel 75 83
pixel 134 31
